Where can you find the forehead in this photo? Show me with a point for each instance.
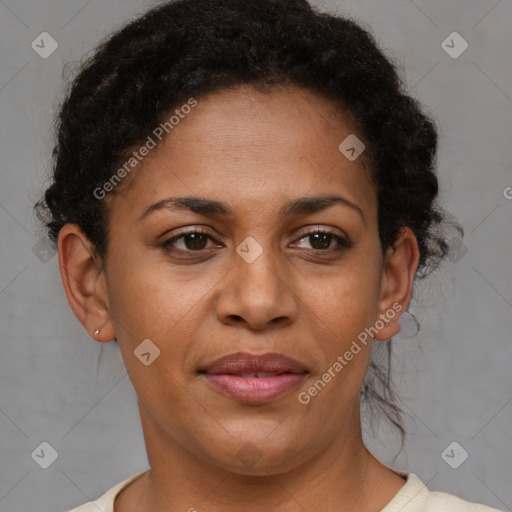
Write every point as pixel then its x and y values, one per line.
pixel 242 145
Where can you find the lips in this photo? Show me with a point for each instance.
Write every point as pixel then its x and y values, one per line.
pixel 243 363
pixel 254 378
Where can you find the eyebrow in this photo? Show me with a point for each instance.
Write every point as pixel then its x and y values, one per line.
pixel 295 207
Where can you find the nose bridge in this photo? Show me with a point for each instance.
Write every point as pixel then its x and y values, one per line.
pixel 257 290
pixel 259 265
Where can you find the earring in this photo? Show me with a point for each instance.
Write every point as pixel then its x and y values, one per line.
pixel 97 331
pixel 409 326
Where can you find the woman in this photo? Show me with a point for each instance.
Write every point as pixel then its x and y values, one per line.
pixel 242 198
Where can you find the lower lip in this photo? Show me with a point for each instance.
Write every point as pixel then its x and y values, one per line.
pixel 255 389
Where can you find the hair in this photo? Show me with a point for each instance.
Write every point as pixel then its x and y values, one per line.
pixel 189 48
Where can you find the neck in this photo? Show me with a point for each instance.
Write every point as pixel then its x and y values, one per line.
pixel 343 477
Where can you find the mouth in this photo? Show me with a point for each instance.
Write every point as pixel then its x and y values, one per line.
pixel 252 378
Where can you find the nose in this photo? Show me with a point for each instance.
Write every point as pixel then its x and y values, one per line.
pixel 257 295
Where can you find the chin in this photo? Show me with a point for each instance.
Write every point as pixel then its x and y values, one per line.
pixel 261 457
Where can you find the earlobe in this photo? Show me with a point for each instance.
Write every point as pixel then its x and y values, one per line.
pixel 397 281
pixel 84 282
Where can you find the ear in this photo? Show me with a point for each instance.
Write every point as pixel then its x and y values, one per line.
pixel 397 281
pixel 81 271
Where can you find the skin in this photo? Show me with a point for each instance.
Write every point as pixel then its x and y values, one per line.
pixel 254 152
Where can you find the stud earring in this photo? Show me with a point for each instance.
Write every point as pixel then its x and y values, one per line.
pixel 96 332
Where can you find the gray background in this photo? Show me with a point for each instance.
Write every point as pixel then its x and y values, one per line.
pixel 59 386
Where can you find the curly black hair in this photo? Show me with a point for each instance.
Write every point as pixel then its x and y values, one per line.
pixel 189 48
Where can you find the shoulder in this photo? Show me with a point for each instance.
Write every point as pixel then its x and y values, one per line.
pixel 441 502
pixel 415 496
pixel 105 503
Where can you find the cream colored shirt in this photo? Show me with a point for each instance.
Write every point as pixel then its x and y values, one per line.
pixel 414 496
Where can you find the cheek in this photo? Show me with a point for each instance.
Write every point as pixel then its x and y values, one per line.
pixel 148 300
pixel 345 345
pixel 153 303
pixel 146 306
pixel 344 308
pixel 349 299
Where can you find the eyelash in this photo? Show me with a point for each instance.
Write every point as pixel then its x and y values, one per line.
pixel 343 243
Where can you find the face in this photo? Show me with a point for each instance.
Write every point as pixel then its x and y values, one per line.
pixel 256 273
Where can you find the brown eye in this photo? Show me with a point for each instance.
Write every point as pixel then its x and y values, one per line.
pixel 196 240
pixel 321 240
pixel 193 240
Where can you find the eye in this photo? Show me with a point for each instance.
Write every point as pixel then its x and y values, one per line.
pixel 196 240
pixel 320 239
pixel 193 240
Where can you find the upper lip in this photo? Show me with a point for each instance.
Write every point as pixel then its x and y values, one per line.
pixel 244 363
